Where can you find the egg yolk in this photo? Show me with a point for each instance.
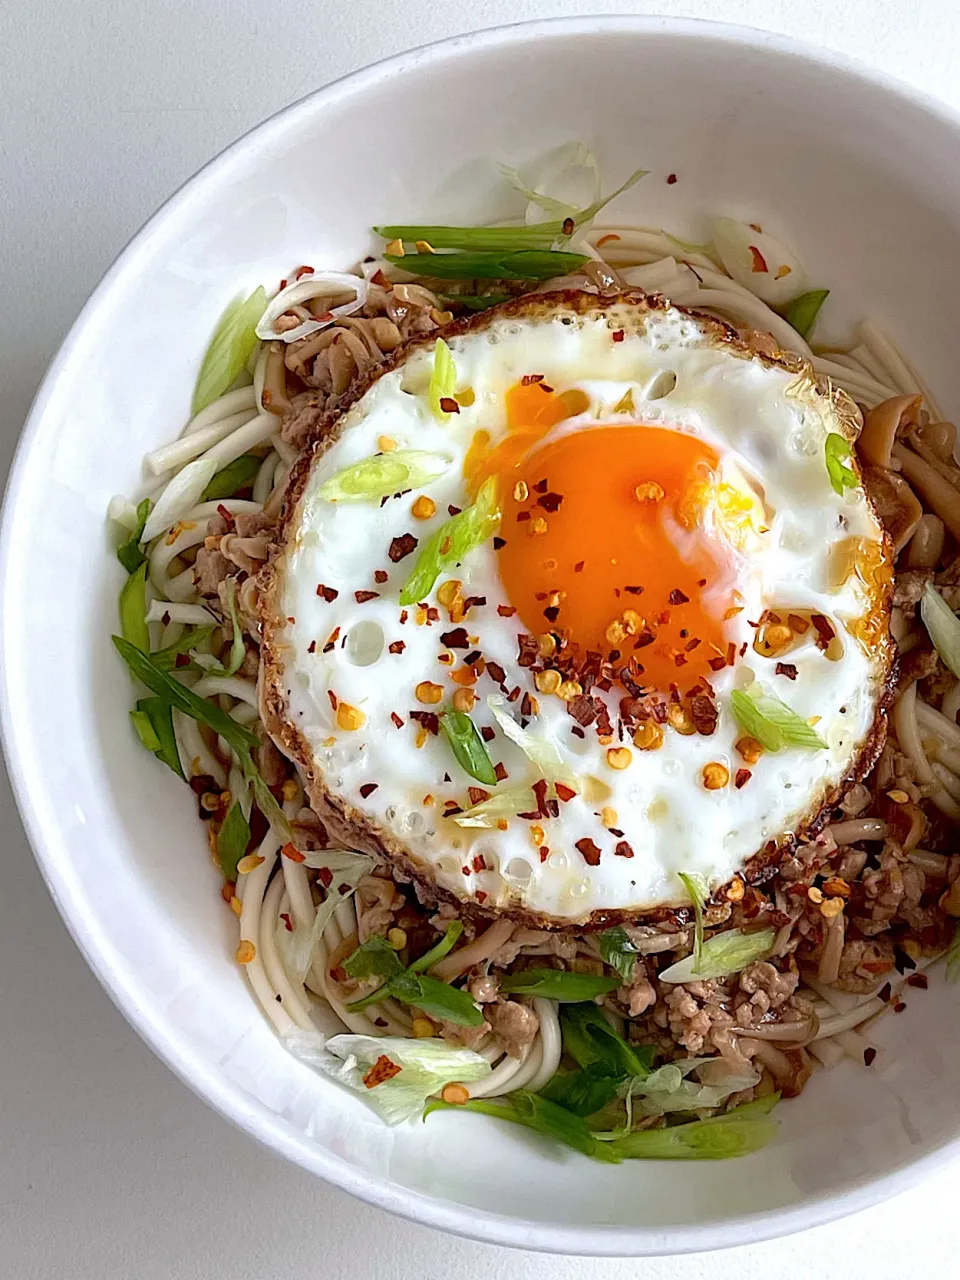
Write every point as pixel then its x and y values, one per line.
pixel 600 543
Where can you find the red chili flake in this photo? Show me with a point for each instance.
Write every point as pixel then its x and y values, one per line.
pixel 293 853
pixel 456 639
pixel 181 660
pixel 825 631
pixel 403 616
pixel 452 510
pixel 166 619
pixel 577 732
pixel 500 772
pixel 885 992
pixel 899 1006
pixel 465 870
pixel 499 543
pixel 396 719
pixel 541 486
pixel 401 546
pixel 529 378
pixel 506 610
pixel 671 179
pixel 523 517
pixel 433 615
pixel 448 405
pixel 429 719
pixel 325 876
pixel 328 593
pixel 869 1054
pixel 800 625
pixel 540 791
pixel 680 659
pixel 918 980
pixel 333 698
pixel 472 659
pixel 550 502
pixel 397 646
pixel 704 713
pixel 450 807
pixel 759 262
pixel 618 335
pixel 590 852
pixel 902 960
pixel 526 706
pixel 302 271
pixel 287 922
pixel 743 650
pixel 487 733
pixel 332 639
pixel 479 862
pixel 544 852
pixel 477 796
pixel 564 792
pixel 380 575
pixel 362 597
pixel 383 1069
pixel 731 654
pixel 742 778
pixel 551 613
pixel 568 225
pixel 368 789
pixel 615 831
pixel 623 849
pixel 678 597
pixel 691 644
pixel 514 694
pixel 226 515
pixel 379 278
pixel 786 669
pixel 480 896
pixel 633 591
pixel 474 602
pixel 528 650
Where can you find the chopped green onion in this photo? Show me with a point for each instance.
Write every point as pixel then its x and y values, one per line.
pixel 557 984
pixel 537 1113
pixel 237 475
pixel 384 474
pixel 723 954
pixel 591 1042
pixel 443 947
pixel 159 715
pixel 145 730
pixel 835 449
pixel 374 958
pixel 130 553
pixel 772 722
pixel 133 609
pixel 238 736
pixel 502 804
pixel 542 754
pixel 717 1138
pixel 699 891
pixel 443 380
pixel 468 747
pixel 232 840
pixel 618 951
pixel 230 348
pixel 474 301
pixel 801 312
pixel 943 627
pixel 541 235
pixel 525 264
pixel 453 541
pixel 166 658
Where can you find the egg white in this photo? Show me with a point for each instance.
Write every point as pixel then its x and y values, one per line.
pixel 762 421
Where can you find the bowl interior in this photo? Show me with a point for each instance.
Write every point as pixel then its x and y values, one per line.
pixel 861 179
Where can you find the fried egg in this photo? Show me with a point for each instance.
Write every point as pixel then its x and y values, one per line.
pixel 672 548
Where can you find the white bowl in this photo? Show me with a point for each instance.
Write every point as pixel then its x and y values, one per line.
pixel 859 173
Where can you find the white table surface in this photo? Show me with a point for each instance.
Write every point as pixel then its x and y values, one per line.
pixel 109 1167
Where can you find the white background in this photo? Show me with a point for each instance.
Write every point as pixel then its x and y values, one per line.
pixel 109 1167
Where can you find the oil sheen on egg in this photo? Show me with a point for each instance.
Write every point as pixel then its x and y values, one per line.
pixel 669 534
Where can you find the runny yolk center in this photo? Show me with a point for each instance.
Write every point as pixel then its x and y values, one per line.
pixel 599 544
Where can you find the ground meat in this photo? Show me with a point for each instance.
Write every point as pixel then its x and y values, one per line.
pixel 639 994
pixel 863 964
pixel 210 569
pixel 250 667
pixel 301 423
pixel 514 1026
pixel 484 988
pixel 251 523
pixel 856 800
pixel 695 1015
pixel 466 1037
pixel 883 889
pixel 908 587
pixel 765 989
